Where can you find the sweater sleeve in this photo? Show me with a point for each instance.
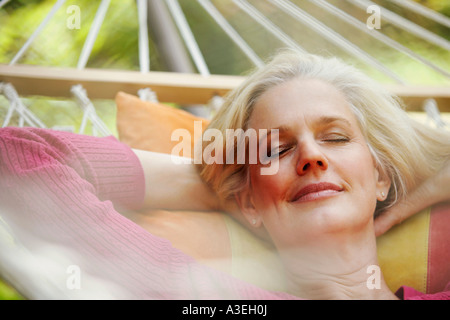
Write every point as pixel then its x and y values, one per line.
pixel 109 166
pixel 408 293
pixel 58 195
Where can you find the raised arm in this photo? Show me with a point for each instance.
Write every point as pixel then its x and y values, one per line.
pixel 174 186
pixel 58 195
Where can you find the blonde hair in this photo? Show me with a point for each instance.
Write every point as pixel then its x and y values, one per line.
pixel 406 151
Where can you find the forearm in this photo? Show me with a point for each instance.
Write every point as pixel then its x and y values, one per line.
pixel 50 184
pixel 178 186
pixel 174 186
pixel 431 191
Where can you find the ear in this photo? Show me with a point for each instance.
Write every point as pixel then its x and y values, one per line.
pixel 245 202
pixel 383 183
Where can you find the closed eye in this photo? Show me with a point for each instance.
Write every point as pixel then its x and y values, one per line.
pixel 336 138
pixel 277 152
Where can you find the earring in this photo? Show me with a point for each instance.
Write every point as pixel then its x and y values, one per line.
pixel 382 194
pixel 253 221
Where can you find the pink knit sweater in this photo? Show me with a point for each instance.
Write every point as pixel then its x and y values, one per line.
pixel 66 189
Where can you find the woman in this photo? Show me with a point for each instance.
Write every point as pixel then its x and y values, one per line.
pixel 345 152
pixel 317 208
pixel 410 152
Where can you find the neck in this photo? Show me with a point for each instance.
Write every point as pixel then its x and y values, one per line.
pixel 337 268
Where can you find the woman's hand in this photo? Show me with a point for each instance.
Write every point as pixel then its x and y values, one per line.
pixel 434 190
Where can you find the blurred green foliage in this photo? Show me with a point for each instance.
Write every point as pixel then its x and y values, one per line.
pixel 8 293
pixel 116 46
pixel 58 45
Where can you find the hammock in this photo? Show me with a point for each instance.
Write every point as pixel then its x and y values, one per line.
pixel 144 92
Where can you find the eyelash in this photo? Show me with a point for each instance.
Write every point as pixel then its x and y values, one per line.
pixel 338 140
pixel 284 148
pixel 281 150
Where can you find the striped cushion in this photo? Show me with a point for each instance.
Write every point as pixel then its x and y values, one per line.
pixel 438 273
pixel 416 253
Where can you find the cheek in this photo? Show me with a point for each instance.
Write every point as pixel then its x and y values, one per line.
pixel 362 177
pixel 267 190
pixel 359 166
pixel 361 174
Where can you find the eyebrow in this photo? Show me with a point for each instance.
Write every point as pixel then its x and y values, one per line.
pixel 323 121
pixel 330 119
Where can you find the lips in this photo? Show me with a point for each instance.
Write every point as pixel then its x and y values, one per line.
pixel 316 191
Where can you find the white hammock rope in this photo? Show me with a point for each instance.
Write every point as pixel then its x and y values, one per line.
pixel 268 25
pixel 3 2
pixel 16 105
pixel 27 117
pixel 231 32
pixel 147 94
pixel 431 108
pixel 38 30
pixel 424 11
pixel 144 57
pixel 188 36
pixel 88 112
pixel 405 24
pixel 334 37
pixel 288 7
pixel 375 34
pixel 92 35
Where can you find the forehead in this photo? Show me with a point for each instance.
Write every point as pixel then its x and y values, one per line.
pixel 300 99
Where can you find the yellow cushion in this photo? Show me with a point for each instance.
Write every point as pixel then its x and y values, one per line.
pixel 403 253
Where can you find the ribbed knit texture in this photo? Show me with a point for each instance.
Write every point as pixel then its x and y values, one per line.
pixel 66 189
pixel 408 293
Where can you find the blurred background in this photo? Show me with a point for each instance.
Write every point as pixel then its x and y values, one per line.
pixel 221 37
pixel 116 46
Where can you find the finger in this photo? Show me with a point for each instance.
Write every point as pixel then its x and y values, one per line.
pixel 382 224
pixel 391 217
pixel 419 199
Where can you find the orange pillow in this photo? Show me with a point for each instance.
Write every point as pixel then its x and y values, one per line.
pixel 149 126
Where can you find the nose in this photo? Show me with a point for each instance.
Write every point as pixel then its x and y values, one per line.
pixel 311 158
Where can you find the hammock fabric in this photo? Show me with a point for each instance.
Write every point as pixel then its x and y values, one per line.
pixel 61 189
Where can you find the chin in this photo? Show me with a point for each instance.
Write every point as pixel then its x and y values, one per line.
pixel 334 220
